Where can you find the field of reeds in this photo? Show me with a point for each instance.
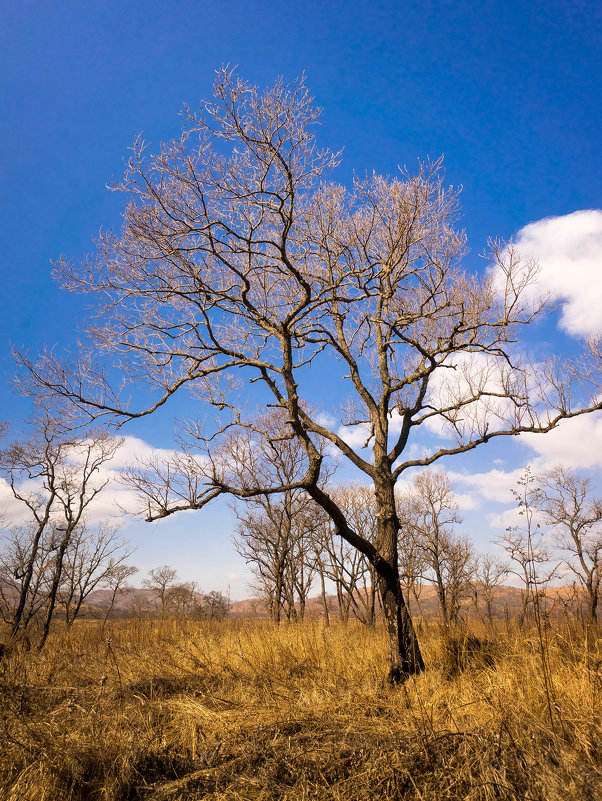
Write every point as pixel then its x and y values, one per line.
pixel 175 710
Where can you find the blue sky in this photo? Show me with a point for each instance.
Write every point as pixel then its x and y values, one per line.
pixel 508 92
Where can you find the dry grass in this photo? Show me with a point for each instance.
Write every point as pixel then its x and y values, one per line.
pixel 178 711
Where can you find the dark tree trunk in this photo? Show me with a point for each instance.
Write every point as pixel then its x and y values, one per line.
pixel 54 587
pixel 442 594
pixel 405 656
pixel 27 579
pixel 406 659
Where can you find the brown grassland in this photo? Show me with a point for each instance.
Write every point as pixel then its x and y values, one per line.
pixel 174 710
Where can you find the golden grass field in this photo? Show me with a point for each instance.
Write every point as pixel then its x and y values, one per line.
pixel 174 710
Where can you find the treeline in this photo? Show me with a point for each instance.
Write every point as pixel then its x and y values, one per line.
pixel 293 548
pixel 53 561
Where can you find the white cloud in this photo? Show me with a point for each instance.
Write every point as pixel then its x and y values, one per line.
pixel 576 443
pixel 569 252
pixel 494 485
pixel 466 502
pixel 463 376
pixel 134 449
pixel 355 436
pixel 115 502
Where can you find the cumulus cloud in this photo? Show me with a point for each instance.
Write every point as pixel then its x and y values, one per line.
pixel 492 485
pixel 116 501
pixel 576 442
pixel 569 252
pixel 463 376
pixel 355 436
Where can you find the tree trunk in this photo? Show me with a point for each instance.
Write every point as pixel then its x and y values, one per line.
pixel 27 579
pixel 593 601
pixel 56 580
pixel 405 656
pixel 324 598
pixel 406 659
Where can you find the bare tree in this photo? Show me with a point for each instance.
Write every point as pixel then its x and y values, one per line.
pixel 490 572
pixel 54 475
pixel 182 600
pixel 566 502
pixel 95 558
pixel 448 559
pixel 242 269
pixel 274 533
pixel 525 546
pixel 160 580
pixel 214 605
pixel 412 562
pixel 116 582
pixel 353 576
pixel 23 580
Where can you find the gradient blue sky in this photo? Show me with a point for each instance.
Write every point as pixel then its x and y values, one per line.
pixel 509 92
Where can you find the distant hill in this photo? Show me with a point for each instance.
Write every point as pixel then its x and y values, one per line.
pixel 507 601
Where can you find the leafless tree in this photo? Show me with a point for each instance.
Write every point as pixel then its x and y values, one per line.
pixel 526 548
pixel 160 580
pixel 182 599
pixel 116 582
pixel 214 605
pixel 490 572
pixel 94 559
pixel 566 502
pixel 412 562
pixel 54 476
pixel 17 571
pixel 350 571
pixel 448 560
pixel 274 533
pixel 241 269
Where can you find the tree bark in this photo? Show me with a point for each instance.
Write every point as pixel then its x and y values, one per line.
pixel 56 580
pixel 405 656
pixel 27 579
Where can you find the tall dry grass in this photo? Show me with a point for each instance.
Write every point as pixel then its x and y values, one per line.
pixel 242 710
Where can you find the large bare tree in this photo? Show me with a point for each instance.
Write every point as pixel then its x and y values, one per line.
pixel 243 271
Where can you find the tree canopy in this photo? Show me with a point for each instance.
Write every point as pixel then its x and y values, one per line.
pixel 243 268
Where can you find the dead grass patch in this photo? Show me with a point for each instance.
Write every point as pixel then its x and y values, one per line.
pixel 190 711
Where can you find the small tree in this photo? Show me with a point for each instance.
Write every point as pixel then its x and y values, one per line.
pixel 115 581
pixel 243 270
pixel 566 502
pixel 525 546
pixel 490 572
pixel 449 560
pixel 23 580
pixel 214 605
pixel 275 531
pixel 94 559
pixel 159 582
pixel 352 574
